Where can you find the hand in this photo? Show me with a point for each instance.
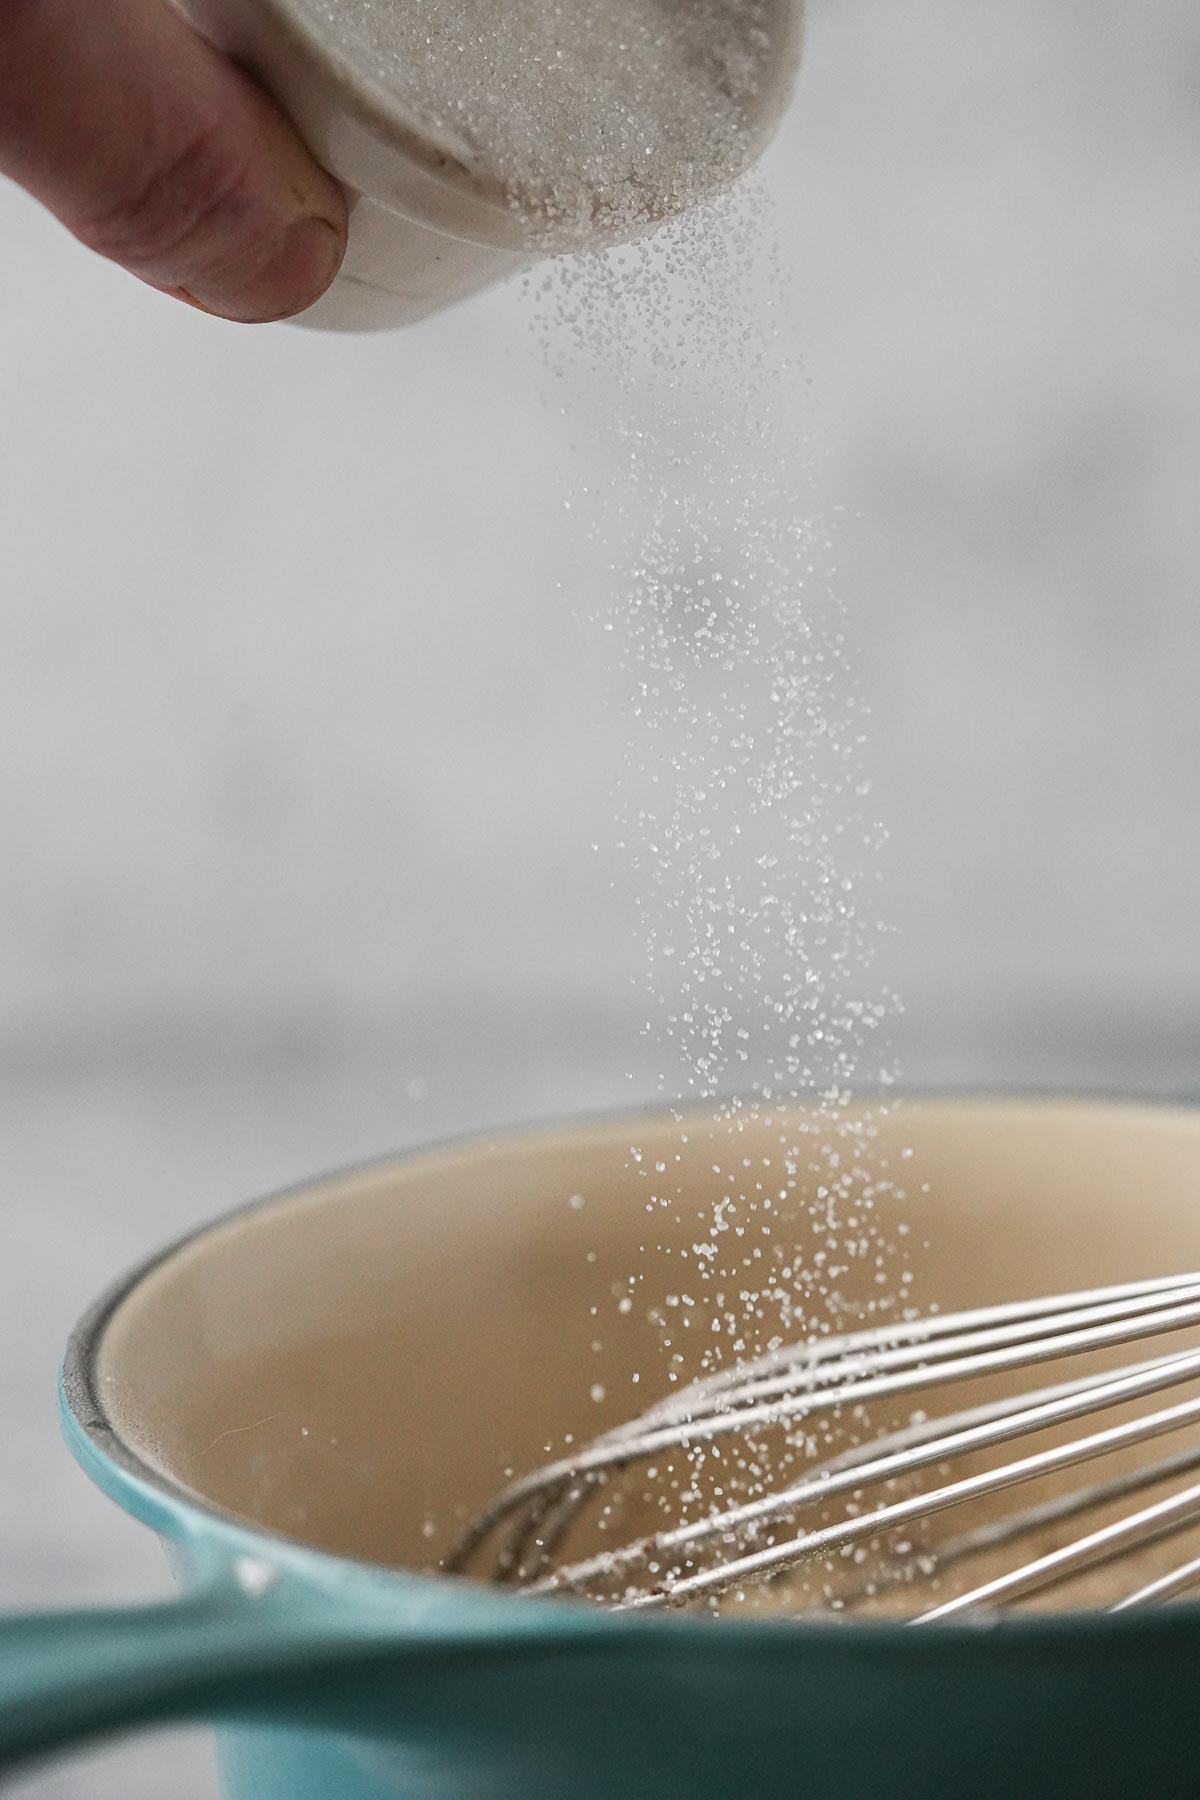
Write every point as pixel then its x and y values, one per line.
pixel 157 152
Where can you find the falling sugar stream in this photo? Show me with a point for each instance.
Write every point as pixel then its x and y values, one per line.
pixel 744 803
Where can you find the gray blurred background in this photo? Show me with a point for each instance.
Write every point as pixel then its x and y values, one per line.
pixel 303 747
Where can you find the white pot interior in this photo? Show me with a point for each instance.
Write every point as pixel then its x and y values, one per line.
pixel 357 1364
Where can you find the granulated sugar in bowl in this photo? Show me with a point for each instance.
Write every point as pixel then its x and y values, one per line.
pixel 479 134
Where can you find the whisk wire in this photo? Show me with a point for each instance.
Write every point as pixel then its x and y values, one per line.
pixel 837 1377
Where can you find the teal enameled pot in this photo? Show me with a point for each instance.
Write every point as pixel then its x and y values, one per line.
pixel 301 1397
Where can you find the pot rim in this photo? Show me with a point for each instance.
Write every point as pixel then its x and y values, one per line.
pixel 97 1444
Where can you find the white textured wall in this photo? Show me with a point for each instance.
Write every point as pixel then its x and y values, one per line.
pixel 1003 297
pixel 294 721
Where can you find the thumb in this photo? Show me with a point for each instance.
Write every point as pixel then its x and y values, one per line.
pixel 156 152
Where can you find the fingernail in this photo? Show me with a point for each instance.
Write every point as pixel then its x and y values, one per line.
pixel 309 256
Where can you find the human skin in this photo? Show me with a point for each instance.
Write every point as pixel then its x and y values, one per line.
pixel 157 152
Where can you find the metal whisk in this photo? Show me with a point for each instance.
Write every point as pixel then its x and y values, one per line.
pixel 525 1536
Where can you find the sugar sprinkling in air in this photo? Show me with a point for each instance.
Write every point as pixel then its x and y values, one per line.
pixel 744 802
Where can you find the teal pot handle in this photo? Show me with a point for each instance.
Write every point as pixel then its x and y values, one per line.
pixel 219 1652
pixel 249 1640
pixel 68 1676
pixel 231 1651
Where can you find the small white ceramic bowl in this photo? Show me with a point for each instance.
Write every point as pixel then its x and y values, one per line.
pixel 425 230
